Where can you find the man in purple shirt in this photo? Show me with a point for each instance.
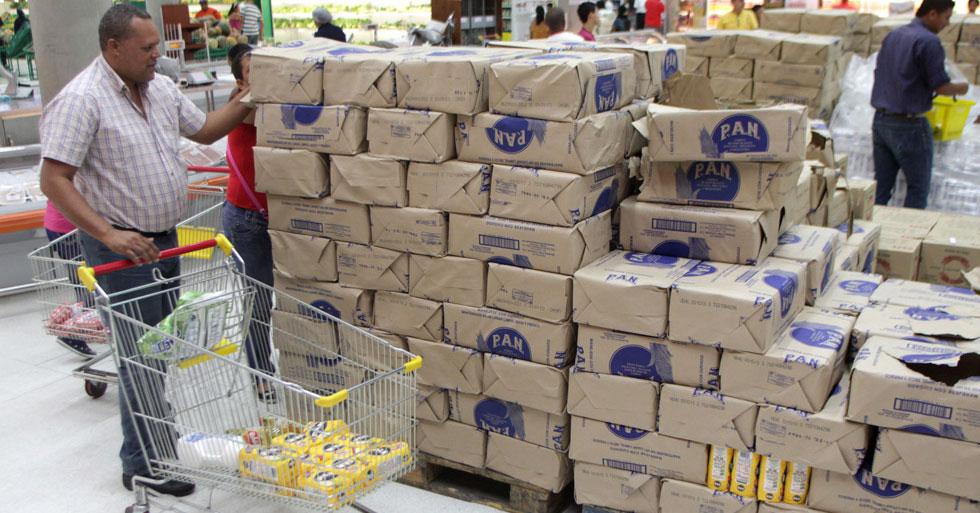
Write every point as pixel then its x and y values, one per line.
pixel 909 71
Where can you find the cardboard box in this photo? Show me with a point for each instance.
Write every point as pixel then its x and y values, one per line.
pixel 780 507
pixel 865 21
pixel 304 257
pixel 453 279
pixel 409 316
pixel 703 233
pixel 770 134
pixel 732 89
pixel 509 334
pixel 849 291
pixel 798 208
pixel 818 216
pixel 748 305
pixel 970 30
pixel 635 356
pixel 815 247
pixel 537 294
pixel 891 387
pixel 292 73
pixel 300 334
pixel 627 291
pixel 453 441
pixel 763 45
pixel 369 180
pixel 910 222
pixel 319 372
pixel 931 462
pixel 448 366
pixel 511 419
pixel 552 197
pixel 950 34
pixel 368 267
pixel 420 231
pixel 653 64
pixel 882 27
pixel 548 45
pixel 729 67
pixel 811 49
pixel 291 172
pixel 821 440
pixel 320 217
pixel 353 306
pixel 707 416
pixel 616 489
pixel 432 404
pixel 696 65
pixel 365 79
pixel 783 20
pixel 617 399
pixel 747 185
pixel 865 238
pixel 805 75
pixel 927 296
pixel 578 147
pixel 421 77
pixel 847 259
pixel 898 322
pixel 950 249
pixel 636 450
pixel 858 43
pixel 800 370
pixel 898 257
pixel 562 86
pixel 680 496
pixel 562 250
pixel 706 43
pixel 832 22
pixel 532 464
pixel 340 130
pixel 452 186
pixel 636 141
pixel 416 135
pixel 866 493
pixel 537 386
pixel 352 346
pixel 819 101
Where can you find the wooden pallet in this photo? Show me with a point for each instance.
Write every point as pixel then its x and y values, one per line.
pixel 483 486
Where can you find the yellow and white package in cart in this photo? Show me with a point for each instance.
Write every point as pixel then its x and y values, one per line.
pixel 200 318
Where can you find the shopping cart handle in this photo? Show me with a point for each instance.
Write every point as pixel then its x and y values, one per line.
pixel 87 274
pixel 209 169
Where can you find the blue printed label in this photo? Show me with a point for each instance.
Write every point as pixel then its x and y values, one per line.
pixel 880 486
pixel 513 135
pixel 739 133
pixel 826 275
pixel 291 44
pixel 930 314
pixel 670 65
pixel 608 90
pixel 506 342
pixel 626 432
pixel 869 262
pixel 708 181
pixel 323 306
pixel 859 287
pixel 452 53
pixel 953 290
pixel 554 56
pixel 300 115
pixel 517 261
pixel 501 417
pixel 815 334
pixel 350 50
pixel 789 238
pixel 606 199
pixel 785 284
pixel 636 361
pixel 857 229
pixel 648 260
pixel 945 430
pixel 702 269
pixel 674 248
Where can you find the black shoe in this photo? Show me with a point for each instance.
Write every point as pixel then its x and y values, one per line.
pixel 171 487
pixel 267 396
pixel 77 346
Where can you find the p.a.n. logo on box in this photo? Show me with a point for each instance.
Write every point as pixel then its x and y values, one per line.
pixel 626 432
pixel 636 361
pixel 708 181
pixel 452 53
pixel 300 115
pixel 702 269
pixel 859 287
pixel 502 417
pixel 513 135
pixel 322 307
pixel 648 260
pixel 738 133
pixel 934 313
pixel 843 229
pixel 789 238
pixel 506 342
pixel 815 334
pixel 670 65
pixel 785 284
pixel 879 486
pixel 608 90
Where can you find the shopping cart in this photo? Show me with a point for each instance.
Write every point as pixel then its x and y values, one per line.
pixel 68 310
pixel 343 416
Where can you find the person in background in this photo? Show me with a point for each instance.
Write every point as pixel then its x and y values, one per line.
pixel 971 6
pixel 208 11
pixel 56 226
pixel 757 11
pixel 622 23
pixel 325 27
pixel 20 20
pixel 845 4
pixel 235 51
pixel 640 7
pixel 655 15
pixel 251 21
pixel 555 20
pixel 738 18
pixel 909 70
pixel 589 16
pixel 607 16
pixel 539 29
pixel 235 17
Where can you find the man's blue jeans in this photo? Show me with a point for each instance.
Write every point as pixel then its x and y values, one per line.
pixel 904 144
pixel 141 389
pixel 248 231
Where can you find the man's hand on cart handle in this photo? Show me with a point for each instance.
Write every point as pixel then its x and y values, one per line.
pixel 132 245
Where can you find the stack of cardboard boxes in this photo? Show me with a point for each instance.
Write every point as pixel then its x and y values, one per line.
pixel 853 28
pixel 960 39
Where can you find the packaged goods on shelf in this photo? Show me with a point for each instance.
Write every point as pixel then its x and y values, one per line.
pixel 420 231
pixel 529 384
pixel 866 493
pixel 372 268
pixel 303 256
pixel 294 73
pixel 291 172
pixel 511 419
pixel 453 441
pixel 368 180
pixel 847 259
pixel 354 306
pixel 533 464
pixel 552 197
pixel 509 334
pixel 814 246
pixel 452 279
pixel 707 416
pixel 930 462
pixel 417 135
pixel 537 294
pixel 448 366
pixel 680 496
pixel 732 89
pixel 706 43
pixel 745 185
pixel 451 186
pixel 653 64
pixel 616 399
pixel 338 130
pixel 409 316
pixel 320 217
pixel 849 291
pixel 352 346
pixel 617 489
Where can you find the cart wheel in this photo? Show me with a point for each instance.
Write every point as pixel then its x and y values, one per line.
pixel 95 389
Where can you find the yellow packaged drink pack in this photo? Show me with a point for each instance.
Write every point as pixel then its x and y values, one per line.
pixel 797 483
pixel 316 479
pixel 299 443
pixel 387 458
pixel 745 474
pixel 771 472
pixel 719 467
pixel 325 452
pixel 325 429
pixel 274 465
pixel 353 469
pixel 360 443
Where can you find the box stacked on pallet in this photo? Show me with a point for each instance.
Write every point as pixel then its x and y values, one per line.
pixel 712 53
pixel 902 232
pixel 951 36
pixel 806 73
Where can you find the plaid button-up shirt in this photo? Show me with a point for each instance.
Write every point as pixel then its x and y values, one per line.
pixel 129 165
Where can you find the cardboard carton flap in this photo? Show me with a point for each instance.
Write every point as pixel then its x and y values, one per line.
pixel 361 172
pixel 945 321
pixel 595 231
pixel 512 374
pixel 947 458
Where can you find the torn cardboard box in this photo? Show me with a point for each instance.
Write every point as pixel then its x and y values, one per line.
pixel 416 135
pixel 291 172
pixel 372 268
pixel 617 489
pixel 338 130
pixel 628 291
pixel 653 63
pixel 552 197
pixel 419 231
pixel 746 185
pixel 453 441
pixel 706 43
pixel 702 233
pixel 898 257
pixel 304 257
pixel 815 247
pixel 897 322
pixel 729 67
pixel 562 250
pixel 365 79
pixel 804 75
pixel 293 73
pixel 511 419
pixel 354 306
pixel 537 386
pixel 447 366
pixel 509 334
pixel 707 416
pixel 454 279
pixel 865 237
pixel 409 316
pixel 748 305
pixel 866 493
pixel 537 294
pixel 562 86
pixel 680 496
pixel 732 89
pixel 578 147
pixel 635 356
pixel 368 180
pixel 930 462
pixel 800 370
pixel 532 464
pixel 762 45
pixel 927 296
pixel 320 217
pixel 432 403
pixel 617 399
pixel 636 450
pixel 452 186
pixel 811 49
pixel 849 291
pixel 637 141
pixel 783 20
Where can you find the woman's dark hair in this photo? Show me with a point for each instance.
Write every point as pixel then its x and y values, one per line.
pixel 934 5
pixel 621 11
pixel 232 9
pixel 240 52
pixel 539 15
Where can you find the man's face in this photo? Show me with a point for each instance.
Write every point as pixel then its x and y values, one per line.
pixel 936 20
pixel 593 19
pixel 246 64
pixel 136 55
pixel 204 5
pixel 738 5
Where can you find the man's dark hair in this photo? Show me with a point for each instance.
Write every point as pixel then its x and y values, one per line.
pixel 539 15
pixel 584 10
pixel 116 21
pixel 600 4
pixel 555 19
pixel 235 55
pixel 934 5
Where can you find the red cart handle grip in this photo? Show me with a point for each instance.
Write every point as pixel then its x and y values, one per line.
pixel 87 274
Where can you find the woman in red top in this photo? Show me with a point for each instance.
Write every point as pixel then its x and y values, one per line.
pixel 247 226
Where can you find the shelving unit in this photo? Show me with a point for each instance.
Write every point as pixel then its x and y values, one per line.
pixel 179 15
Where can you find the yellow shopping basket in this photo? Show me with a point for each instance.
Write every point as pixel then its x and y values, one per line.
pixel 948 117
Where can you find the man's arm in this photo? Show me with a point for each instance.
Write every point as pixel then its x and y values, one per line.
pixel 951 89
pixel 222 121
pixel 57 183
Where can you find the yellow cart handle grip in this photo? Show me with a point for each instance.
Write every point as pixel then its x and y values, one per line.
pixel 332 400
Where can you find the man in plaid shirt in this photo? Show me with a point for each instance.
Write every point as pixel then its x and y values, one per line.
pixel 110 144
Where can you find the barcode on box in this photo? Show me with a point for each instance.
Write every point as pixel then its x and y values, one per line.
pixel 673 225
pixel 305 137
pixel 310 226
pixel 500 242
pixel 604 173
pixel 924 408
pixel 624 465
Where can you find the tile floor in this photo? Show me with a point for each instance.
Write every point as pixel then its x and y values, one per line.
pixel 58 446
